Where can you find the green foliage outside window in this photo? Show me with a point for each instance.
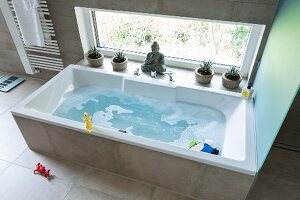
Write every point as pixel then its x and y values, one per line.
pixel 192 39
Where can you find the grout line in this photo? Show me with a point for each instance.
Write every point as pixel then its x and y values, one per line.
pixel 56 158
pixel 175 192
pixel 56 177
pixel 233 11
pixel 5 160
pixel 20 155
pixel 99 191
pixel 68 192
pixel 9 164
pixel 115 174
pixel 86 168
pixel 7 109
pixel 80 175
pixel 286 148
pixel 23 166
pixel 71 184
pixel 251 2
pixel 284 144
pixel 153 187
pixel 153 192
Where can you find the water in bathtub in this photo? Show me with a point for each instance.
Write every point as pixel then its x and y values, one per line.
pixel 176 123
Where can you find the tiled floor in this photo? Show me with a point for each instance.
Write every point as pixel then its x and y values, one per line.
pixel 70 180
pixel 279 178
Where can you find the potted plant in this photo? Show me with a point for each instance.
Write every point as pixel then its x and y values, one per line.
pixel 119 61
pixel 94 57
pixel 232 78
pixel 204 73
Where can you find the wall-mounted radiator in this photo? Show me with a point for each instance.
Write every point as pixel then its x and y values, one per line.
pixel 49 56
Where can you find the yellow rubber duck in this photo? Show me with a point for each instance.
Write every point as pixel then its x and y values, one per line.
pixel 88 122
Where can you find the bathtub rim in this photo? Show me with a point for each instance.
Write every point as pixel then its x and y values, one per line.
pixel 246 166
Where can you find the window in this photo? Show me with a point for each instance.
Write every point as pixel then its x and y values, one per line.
pixel 181 40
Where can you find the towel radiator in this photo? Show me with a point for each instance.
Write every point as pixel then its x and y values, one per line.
pixel 48 57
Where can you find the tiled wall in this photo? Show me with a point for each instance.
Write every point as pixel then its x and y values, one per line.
pixel 63 16
pixel 289 134
pixel 275 92
pixel 9 58
pixel 249 11
pixel 279 177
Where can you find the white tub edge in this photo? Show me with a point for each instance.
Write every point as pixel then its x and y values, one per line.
pixel 247 166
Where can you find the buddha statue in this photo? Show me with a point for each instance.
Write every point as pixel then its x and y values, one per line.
pixel 155 61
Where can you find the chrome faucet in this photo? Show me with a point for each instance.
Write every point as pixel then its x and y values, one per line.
pixel 137 72
pixel 170 74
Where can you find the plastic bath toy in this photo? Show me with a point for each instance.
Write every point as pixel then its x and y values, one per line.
pixel 40 169
pixel 88 122
pixel 198 145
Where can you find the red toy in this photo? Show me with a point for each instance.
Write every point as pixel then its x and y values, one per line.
pixel 41 170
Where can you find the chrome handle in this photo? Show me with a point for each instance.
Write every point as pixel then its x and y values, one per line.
pixel 171 77
pixel 170 74
pixel 137 72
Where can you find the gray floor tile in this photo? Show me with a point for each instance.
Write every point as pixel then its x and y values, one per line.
pixel 68 171
pixel 8 100
pixel 12 143
pixel 84 148
pixel 162 194
pixel 273 185
pixel 115 185
pixel 3 108
pixel 3 166
pixel 220 184
pixel 284 161
pixel 20 183
pixel 81 193
pixel 137 163
pixel 20 92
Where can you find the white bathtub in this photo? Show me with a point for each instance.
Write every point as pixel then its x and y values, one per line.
pixel 239 149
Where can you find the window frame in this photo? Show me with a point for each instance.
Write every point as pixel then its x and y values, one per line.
pixel 249 57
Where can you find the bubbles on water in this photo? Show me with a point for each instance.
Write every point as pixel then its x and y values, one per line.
pixel 211 131
pixel 118 109
pixel 102 118
pixel 78 98
pixel 172 122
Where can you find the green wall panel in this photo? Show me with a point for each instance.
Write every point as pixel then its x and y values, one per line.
pixel 278 77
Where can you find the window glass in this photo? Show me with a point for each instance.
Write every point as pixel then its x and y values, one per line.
pixel 178 37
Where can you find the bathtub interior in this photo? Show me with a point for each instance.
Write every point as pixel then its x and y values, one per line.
pixel 231 106
pixel 50 98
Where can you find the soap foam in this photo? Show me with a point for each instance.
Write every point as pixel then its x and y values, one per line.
pixel 102 118
pixel 175 123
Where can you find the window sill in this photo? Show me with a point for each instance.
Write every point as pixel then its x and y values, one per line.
pixel 184 77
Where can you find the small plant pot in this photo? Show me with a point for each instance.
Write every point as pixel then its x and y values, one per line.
pixel 119 66
pixel 203 79
pixel 230 84
pixel 98 62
